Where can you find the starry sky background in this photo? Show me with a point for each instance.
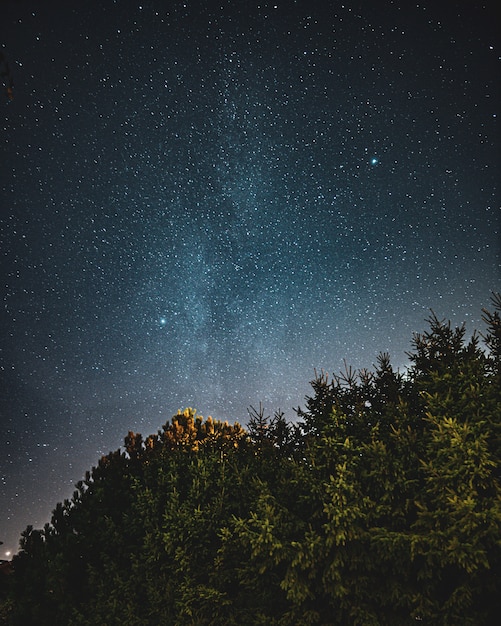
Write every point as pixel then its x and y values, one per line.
pixel 201 202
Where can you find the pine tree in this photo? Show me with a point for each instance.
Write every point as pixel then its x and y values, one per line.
pixel 380 506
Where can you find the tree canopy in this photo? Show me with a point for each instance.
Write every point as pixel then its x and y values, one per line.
pixel 380 504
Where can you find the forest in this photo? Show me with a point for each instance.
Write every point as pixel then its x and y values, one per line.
pixel 379 504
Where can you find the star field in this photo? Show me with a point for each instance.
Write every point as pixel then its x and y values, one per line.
pixel 202 202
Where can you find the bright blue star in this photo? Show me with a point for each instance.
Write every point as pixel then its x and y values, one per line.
pixel 374 161
pixel 163 321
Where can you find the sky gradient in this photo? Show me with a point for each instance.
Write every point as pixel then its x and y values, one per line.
pixel 202 202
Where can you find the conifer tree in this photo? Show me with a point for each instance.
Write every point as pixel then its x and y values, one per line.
pixel 381 505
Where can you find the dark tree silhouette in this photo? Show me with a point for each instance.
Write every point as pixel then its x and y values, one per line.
pixel 381 505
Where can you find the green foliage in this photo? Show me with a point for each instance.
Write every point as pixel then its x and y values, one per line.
pixel 381 505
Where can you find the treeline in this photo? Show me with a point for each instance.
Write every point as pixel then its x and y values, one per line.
pixel 379 505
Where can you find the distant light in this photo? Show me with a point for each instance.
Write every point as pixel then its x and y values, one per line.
pixel 163 321
pixel 374 161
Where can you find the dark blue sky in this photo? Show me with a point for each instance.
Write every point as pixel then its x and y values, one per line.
pixel 201 202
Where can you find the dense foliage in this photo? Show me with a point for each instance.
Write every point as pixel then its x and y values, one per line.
pixel 380 505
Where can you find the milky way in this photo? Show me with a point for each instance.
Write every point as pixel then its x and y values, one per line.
pixel 203 204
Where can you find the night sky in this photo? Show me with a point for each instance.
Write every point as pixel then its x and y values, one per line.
pixel 202 202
